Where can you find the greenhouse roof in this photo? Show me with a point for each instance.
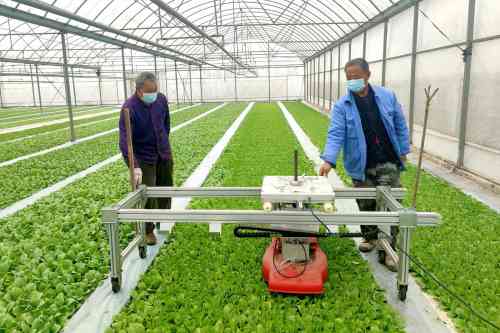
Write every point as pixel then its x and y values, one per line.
pixel 199 32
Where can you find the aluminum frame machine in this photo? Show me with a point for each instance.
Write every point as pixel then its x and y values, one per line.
pixel 295 212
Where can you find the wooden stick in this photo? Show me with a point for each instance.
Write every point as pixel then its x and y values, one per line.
pixel 429 98
pixel 128 130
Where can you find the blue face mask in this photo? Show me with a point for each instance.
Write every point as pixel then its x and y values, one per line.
pixel 356 86
pixel 149 98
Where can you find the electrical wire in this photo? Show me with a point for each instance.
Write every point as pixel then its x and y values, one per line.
pixel 275 251
pixel 419 264
pixel 440 30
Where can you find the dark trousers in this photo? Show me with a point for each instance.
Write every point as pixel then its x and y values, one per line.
pixel 157 174
pixel 386 174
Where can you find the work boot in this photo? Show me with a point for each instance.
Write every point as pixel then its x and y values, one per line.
pixel 390 264
pixel 367 245
pixel 150 238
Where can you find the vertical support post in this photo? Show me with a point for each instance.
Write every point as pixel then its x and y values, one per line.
pixel 156 68
pixel 338 74
pixel 73 83
pixel 38 87
pixel 99 79
pixel 201 86
pixel 176 83
pixel 268 73
pixel 324 82
pixel 331 81
pixel 286 86
pixel 235 86
pixel 466 86
pixel 384 56
pixel 115 254
pixel 304 80
pixel 190 87
pixel 317 99
pixel 32 86
pixel 350 49
pixel 166 77
pixel 67 88
pixel 364 44
pixel 124 75
pixel 407 221
pixel 413 69
pixel 1 95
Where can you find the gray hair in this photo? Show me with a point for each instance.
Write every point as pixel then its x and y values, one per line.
pixel 360 62
pixel 143 77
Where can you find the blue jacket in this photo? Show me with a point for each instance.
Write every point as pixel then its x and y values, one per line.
pixel 346 131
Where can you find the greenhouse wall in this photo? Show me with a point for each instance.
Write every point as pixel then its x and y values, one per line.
pixel 434 58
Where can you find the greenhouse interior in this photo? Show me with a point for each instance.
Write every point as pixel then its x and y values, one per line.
pixel 249 166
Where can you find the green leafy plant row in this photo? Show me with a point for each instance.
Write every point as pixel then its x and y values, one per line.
pixel 463 252
pixel 26 177
pixel 32 145
pixel 55 252
pixel 200 283
pixel 51 117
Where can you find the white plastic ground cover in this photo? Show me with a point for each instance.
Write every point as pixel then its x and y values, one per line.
pixel 34 114
pixel 96 314
pixel 419 311
pixel 19 205
pixel 64 145
pixel 53 122
pixel 58 114
pixel 58 130
pixel 85 125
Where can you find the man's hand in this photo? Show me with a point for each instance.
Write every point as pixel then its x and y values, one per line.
pixel 325 169
pixel 137 176
pixel 404 158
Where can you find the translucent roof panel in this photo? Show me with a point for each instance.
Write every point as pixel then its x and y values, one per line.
pixel 101 27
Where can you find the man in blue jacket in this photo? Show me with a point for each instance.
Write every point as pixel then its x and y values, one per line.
pixel 150 120
pixel 369 126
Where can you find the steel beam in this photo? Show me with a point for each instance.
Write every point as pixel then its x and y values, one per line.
pixel 413 69
pixel 124 76
pixel 67 88
pixel 384 54
pixel 32 86
pixel 171 11
pixel 466 85
pixel 38 87
pixel 46 63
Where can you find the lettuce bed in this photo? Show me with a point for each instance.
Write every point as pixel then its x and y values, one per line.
pixel 200 283
pixel 462 252
pixel 32 145
pixel 46 129
pixel 29 176
pixel 56 252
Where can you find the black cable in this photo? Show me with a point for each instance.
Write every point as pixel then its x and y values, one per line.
pixel 440 30
pixel 276 267
pixel 442 285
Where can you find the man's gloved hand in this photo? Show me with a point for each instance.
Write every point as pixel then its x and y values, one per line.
pixel 325 168
pixel 137 176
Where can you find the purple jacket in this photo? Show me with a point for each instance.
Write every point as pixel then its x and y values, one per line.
pixel 150 130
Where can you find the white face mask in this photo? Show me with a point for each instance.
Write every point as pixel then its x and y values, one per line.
pixel 149 98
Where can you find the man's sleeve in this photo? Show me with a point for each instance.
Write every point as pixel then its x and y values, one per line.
pixel 123 139
pixel 401 127
pixel 336 135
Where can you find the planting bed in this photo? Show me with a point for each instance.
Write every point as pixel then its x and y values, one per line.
pixel 55 252
pixel 463 252
pixel 35 144
pixel 200 283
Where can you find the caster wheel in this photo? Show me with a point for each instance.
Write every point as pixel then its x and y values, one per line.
pixel 402 292
pixel 381 256
pixel 143 253
pixel 115 285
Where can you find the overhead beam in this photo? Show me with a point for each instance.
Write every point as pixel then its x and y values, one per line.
pixel 20 15
pixel 171 11
pixel 395 9
pixel 46 63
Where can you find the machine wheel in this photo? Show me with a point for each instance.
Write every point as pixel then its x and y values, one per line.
pixel 402 292
pixel 115 284
pixel 381 256
pixel 143 253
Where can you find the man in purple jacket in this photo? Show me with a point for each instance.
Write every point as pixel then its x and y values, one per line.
pixel 150 119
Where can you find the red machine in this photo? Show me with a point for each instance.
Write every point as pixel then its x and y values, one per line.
pixel 301 278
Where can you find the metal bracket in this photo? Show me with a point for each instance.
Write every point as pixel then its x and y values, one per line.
pixel 109 215
pixel 408 218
